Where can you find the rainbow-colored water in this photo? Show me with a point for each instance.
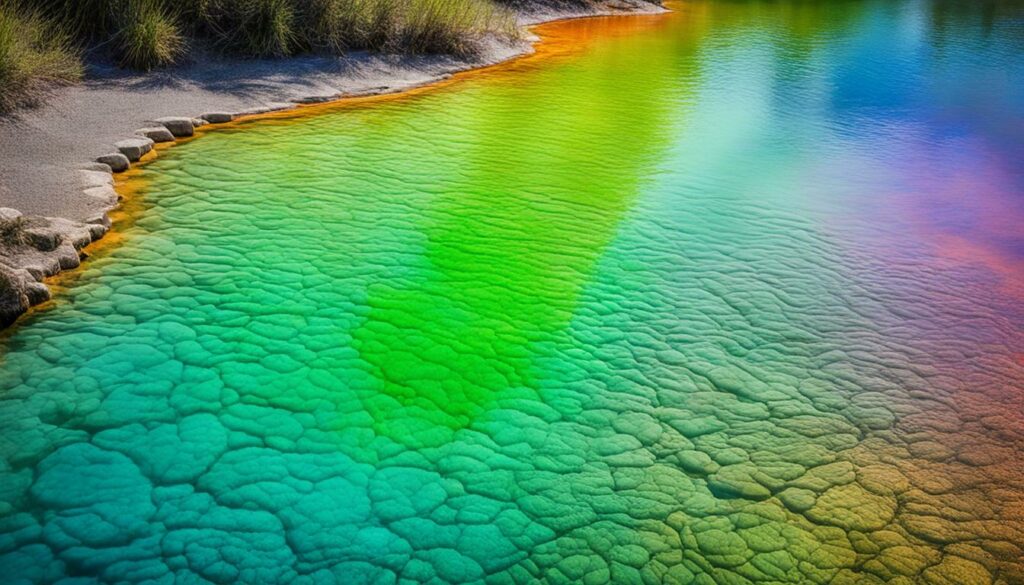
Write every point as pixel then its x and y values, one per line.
pixel 727 296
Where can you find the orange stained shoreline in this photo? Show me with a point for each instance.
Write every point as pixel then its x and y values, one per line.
pixel 556 39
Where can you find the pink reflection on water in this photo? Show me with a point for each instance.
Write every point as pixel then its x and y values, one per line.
pixel 963 200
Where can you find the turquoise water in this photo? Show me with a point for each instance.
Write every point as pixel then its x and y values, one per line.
pixel 730 295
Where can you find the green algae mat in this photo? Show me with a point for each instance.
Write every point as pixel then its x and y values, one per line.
pixel 727 296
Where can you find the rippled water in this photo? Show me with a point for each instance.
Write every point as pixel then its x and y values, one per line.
pixel 727 296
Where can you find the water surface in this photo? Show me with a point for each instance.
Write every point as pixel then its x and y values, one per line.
pixel 727 296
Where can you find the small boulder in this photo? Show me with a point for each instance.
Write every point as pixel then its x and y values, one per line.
pixel 218 117
pixel 90 179
pixel 101 221
pixel 36 292
pixel 13 300
pixel 9 214
pixel 179 127
pixel 104 194
pixel 97 231
pixel 156 134
pixel 36 272
pixel 117 162
pixel 67 257
pixel 134 148
pixel 43 239
pixel 97 166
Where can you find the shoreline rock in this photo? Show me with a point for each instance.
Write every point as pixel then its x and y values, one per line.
pixel 117 162
pixel 156 134
pixel 32 249
pixel 134 148
pixel 179 127
pixel 217 117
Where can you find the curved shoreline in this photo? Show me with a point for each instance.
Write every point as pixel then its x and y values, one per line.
pixel 58 244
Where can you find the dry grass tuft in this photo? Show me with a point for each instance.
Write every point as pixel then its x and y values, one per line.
pixel 35 53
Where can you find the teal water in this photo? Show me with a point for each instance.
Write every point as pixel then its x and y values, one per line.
pixel 730 295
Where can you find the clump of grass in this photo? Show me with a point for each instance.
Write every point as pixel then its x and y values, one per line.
pixel 377 24
pixel 147 36
pixel 454 27
pixel 252 28
pixel 84 19
pixel 330 26
pixel 35 54
pixel 444 26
